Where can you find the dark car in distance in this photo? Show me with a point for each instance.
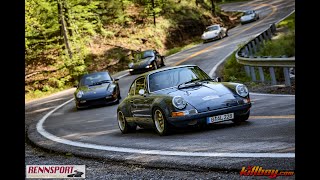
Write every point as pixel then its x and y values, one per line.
pixel 146 61
pixel 97 88
pixel 181 96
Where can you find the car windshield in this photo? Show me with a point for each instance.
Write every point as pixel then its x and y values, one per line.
pixel 95 79
pixel 248 12
pixel 211 28
pixel 175 77
pixel 144 55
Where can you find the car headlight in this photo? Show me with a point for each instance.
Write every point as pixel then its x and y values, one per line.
pixel 130 65
pixel 79 94
pixel 242 90
pixel 147 66
pixel 179 102
pixel 111 88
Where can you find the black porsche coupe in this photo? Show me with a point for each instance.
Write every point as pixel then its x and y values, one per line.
pixel 96 89
pixel 181 96
pixel 146 61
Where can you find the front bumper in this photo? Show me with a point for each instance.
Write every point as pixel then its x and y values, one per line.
pixel 210 38
pixel 139 70
pixel 247 20
pixel 200 118
pixel 94 102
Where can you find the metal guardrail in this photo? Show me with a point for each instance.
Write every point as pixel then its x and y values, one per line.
pixel 245 56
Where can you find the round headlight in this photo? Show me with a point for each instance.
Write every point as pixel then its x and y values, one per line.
pixel 111 87
pixel 130 65
pixel 179 102
pixel 79 94
pixel 242 90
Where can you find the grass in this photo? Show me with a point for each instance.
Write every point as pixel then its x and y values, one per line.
pixel 39 94
pixel 233 71
pixel 288 22
pixel 283 43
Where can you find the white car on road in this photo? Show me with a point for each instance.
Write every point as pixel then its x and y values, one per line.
pixel 249 16
pixel 214 32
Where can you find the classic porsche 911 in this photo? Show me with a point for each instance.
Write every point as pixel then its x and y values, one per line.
pixel 181 96
pixel 146 61
pixel 214 32
pixel 249 16
pixel 95 89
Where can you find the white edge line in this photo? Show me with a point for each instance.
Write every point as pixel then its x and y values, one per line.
pixel 212 72
pixel 123 75
pixel 262 94
pixel 52 137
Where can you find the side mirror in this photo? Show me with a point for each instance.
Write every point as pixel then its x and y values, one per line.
pixel 141 92
pixel 218 79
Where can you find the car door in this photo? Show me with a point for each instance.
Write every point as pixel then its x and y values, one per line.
pixel 139 103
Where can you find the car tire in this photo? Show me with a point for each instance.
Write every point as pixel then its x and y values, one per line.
pixel 123 124
pixel 160 122
pixel 154 64
pixel 242 118
pixel 119 95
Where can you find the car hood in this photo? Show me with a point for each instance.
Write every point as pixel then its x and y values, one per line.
pixel 93 92
pixel 211 33
pixel 207 97
pixel 142 63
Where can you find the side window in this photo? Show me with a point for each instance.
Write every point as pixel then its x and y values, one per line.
pixel 139 85
pixel 132 89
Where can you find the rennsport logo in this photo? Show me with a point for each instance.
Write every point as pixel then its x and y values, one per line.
pixel 55 171
pixel 259 171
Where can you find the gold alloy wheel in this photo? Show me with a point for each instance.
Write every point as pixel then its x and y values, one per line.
pixel 159 121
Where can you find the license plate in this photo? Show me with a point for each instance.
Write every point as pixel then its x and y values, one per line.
pixel 223 117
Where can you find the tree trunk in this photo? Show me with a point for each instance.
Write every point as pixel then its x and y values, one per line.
pixel 63 28
pixel 153 13
pixel 67 15
pixel 212 7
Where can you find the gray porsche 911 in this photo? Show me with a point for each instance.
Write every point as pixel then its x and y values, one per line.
pixel 146 61
pixel 97 88
pixel 181 96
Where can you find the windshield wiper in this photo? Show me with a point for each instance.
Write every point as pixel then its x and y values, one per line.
pixel 100 82
pixel 188 82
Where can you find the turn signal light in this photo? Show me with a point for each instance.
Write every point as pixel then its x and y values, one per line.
pixel 176 114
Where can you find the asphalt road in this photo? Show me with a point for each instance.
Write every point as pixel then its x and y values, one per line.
pixel 270 129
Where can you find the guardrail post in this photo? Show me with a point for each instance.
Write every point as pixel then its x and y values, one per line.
pixel 247 69
pixel 250 49
pixel 246 50
pixel 273 28
pixel 273 76
pixel 253 74
pixel 257 43
pixel 254 48
pixel 261 74
pixel 261 38
pixel 286 76
pixel 269 33
pixel 265 35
